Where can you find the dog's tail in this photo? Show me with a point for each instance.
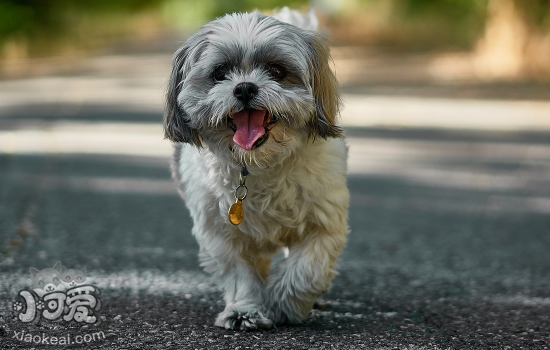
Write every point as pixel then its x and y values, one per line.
pixel 306 21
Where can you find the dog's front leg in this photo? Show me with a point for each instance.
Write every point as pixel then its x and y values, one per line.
pixel 304 275
pixel 244 289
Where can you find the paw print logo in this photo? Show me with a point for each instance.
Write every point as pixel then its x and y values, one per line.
pixel 17 306
pixel 40 305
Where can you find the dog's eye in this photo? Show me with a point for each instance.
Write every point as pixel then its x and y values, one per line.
pixel 277 71
pixel 220 73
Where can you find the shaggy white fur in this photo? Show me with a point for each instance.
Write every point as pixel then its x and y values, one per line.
pixel 297 194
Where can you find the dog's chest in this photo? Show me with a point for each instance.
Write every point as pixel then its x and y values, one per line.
pixel 271 209
pixel 279 199
pixel 290 197
pixel 288 200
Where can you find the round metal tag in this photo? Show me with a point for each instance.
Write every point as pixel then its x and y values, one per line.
pixel 236 213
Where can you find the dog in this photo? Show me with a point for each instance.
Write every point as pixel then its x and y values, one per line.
pixel 251 107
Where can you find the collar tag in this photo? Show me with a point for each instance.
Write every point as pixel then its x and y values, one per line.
pixel 236 212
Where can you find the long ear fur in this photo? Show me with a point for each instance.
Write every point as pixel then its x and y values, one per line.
pixel 176 122
pixel 325 92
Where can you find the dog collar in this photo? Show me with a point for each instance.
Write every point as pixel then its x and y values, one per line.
pixel 236 212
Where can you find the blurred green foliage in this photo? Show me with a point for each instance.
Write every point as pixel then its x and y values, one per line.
pixel 427 24
pixel 456 22
pixel 190 14
pixel 38 26
pixel 537 12
pixel 41 25
pixel 30 17
pixel 223 7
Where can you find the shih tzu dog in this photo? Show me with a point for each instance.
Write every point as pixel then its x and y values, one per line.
pixel 261 164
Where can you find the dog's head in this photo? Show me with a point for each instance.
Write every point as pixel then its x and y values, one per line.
pixel 251 87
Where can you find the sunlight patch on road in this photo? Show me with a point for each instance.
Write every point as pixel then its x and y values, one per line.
pixel 188 284
pixel 185 283
pixel 521 300
pixel 139 139
pixel 113 184
pixel 439 163
pixel 442 163
pixel 440 113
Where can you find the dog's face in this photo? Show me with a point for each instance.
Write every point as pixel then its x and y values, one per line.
pixel 252 88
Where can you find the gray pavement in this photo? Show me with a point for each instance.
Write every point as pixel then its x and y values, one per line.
pixel 450 225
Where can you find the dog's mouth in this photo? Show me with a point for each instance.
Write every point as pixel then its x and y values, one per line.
pixel 251 127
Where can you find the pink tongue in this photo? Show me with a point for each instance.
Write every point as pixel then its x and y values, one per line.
pixel 250 127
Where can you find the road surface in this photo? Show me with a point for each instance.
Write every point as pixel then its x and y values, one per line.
pixel 449 216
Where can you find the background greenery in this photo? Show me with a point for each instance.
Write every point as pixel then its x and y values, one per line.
pixel 34 28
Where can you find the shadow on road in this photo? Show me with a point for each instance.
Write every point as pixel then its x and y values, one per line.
pixel 448 243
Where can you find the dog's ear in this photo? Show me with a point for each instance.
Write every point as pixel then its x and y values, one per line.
pixel 325 91
pixel 176 122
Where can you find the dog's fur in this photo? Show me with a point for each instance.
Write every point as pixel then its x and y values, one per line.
pixel 297 195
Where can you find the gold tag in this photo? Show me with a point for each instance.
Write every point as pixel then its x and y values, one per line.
pixel 236 212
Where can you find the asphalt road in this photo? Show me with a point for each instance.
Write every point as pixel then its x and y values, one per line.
pixel 450 228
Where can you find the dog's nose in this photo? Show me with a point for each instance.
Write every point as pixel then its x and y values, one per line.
pixel 245 91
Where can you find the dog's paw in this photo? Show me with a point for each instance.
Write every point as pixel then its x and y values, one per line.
pixel 243 320
pixel 290 310
pixel 279 317
pixel 17 306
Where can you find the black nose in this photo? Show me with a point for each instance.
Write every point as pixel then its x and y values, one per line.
pixel 245 91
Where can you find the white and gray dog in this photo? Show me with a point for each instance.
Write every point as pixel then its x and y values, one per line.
pixel 261 164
